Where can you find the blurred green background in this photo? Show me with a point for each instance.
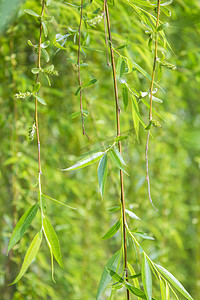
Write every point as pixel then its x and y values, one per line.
pixel 174 150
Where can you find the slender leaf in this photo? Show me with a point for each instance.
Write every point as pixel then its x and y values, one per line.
pixel 116 160
pixel 91 159
pixel 125 95
pixel 30 255
pixel 58 202
pixel 102 173
pixel 162 289
pixel 31 12
pixel 112 231
pixel 174 282
pixel 114 275
pixel 51 236
pixel 114 208
pixel 147 278
pixel 132 215
pixel 105 277
pixel 40 99
pixel 137 292
pixel 22 225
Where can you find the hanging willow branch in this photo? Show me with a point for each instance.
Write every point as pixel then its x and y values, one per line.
pixel 151 98
pixel 79 71
pixel 119 144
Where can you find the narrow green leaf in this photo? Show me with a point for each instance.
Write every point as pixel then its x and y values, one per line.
pixel 162 289
pixel 125 95
pixel 45 54
pixel 91 159
pixel 52 238
pixel 91 82
pixel 114 275
pixel 114 208
pixel 144 235
pixel 174 282
pixel 56 201
pixel 122 68
pixel 135 291
pixel 102 173
pixel 36 87
pixel 30 255
pixel 147 278
pixel 121 138
pixel 31 12
pixel 78 90
pixel 22 225
pixel 132 215
pixel 40 99
pixel 45 28
pixel 112 231
pixel 105 277
pixel 136 116
pixel 134 276
pixel 116 160
pixel 167 292
pixel 45 44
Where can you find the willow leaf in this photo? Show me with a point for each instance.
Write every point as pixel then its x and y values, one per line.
pixel 102 173
pixel 91 159
pixel 147 278
pixel 52 238
pixel 22 225
pixel 112 231
pixel 30 255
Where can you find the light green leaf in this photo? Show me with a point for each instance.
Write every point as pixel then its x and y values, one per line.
pixel 116 160
pixel 162 289
pixel 45 28
pixel 22 225
pixel 147 278
pixel 135 108
pixel 144 235
pixel 30 255
pixel 174 282
pixel 31 12
pixel 40 99
pixel 114 208
pixel 102 173
pixel 35 70
pixel 105 277
pixel 114 275
pixel 91 159
pixel 121 138
pixel 167 292
pixel 133 273
pixel 58 202
pixel 132 215
pixel 45 54
pixel 52 238
pixel 112 231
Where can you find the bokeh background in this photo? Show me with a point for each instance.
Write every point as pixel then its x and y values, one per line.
pixel 174 150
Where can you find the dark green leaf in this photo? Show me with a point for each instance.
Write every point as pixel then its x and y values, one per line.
pixel 137 292
pixel 114 275
pixel 22 225
pixel 36 87
pixel 112 231
pixel 116 160
pixel 125 95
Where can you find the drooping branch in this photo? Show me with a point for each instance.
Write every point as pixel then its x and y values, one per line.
pixel 119 143
pixel 79 71
pixel 151 98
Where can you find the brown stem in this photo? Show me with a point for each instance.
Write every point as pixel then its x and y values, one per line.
pixel 151 97
pixel 37 77
pixel 79 71
pixel 119 143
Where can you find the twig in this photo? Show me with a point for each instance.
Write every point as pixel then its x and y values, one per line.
pixel 150 109
pixel 119 145
pixel 79 71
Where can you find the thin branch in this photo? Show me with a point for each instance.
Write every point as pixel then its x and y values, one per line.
pixel 79 71
pixel 119 144
pixel 106 38
pixel 151 97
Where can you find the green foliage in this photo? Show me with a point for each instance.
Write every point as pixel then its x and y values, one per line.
pixel 173 151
